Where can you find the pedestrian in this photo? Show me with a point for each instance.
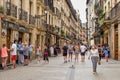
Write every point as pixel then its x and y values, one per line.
pixel 100 53
pixel 30 51
pixel 83 49
pixel 106 54
pixel 94 57
pixel 55 50
pixel 52 50
pixel 65 51
pixel 39 54
pixel 76 52
pixel 45 53
pixel 20 51
pixel 4 55
pixel 13 54
pixel 26 54
pixel 70 49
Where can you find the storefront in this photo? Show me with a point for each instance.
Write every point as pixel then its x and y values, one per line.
pixel 12 31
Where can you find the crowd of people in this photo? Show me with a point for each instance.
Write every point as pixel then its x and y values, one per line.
pixel 25 52
pixel 96 52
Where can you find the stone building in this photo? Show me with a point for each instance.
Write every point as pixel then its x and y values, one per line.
pixel 108 29
pixel 90 20
pixel 38 22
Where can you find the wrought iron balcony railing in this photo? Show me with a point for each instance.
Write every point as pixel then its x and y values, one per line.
pixel 11 9
pixel 115 11
pixel 31 19
pixel 42 22
pixel 23 15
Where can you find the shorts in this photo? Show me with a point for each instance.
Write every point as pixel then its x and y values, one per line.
pixel 76 52
pixel 30 53
pixel 13 57
pixel 70 52
pixel 64 54
pixel 25 57
pixel 82 53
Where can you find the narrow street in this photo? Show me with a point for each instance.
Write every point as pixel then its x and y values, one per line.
pixel 57 70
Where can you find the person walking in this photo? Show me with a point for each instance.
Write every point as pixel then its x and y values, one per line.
pixel 83 50
pixel 100 53
pixel 38 53
pixel 30 51
pixel 65 51
pixel 13 54
pixel 20 51
pixel 70 49
pixel 76 52
pixel 94 57
pixel 45 53
pixel 4 55
pixel 52 50
pixel 106 54
pixel 26 54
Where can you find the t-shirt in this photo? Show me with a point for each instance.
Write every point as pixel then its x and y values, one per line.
pixel 65 48
pixel 94 53
pixel 70 47
pixel 31 48
pixel 26 50
pixel 83 48
pixel 14 47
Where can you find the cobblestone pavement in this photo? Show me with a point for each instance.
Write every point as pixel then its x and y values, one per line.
pixel 57 70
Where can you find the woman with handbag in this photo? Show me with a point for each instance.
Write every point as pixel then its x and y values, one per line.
pixel 94 57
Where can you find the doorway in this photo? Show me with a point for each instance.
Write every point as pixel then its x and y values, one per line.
pixel 116 42
pixel 20 39
pixel 8 42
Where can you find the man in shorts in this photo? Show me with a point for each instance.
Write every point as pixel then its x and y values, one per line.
pixel 13 54
pixel 83 50
pixel 65 49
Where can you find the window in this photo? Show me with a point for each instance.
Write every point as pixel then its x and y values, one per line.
pixel 30 7
pixel 108 6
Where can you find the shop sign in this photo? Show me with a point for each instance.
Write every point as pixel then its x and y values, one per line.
pixel 4 33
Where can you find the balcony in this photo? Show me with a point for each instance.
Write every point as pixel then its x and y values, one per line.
pixel 42 22
pixel 57 12
pixel 23 15
pixel 115 11
pixel 11 9
pixel 31 20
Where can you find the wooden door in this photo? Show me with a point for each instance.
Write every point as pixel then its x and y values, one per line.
pixel 116 43
pixel 8 42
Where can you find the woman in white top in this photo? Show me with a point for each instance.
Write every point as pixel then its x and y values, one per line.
pixel 94 57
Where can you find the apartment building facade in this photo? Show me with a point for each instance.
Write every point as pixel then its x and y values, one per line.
pixel 108 29
pixel 38 22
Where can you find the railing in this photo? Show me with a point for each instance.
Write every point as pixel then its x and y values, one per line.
pixel 42 22
pixel 31 20
pixel 11 9
pixel 57 12
pixel 23 15
pixel 115 11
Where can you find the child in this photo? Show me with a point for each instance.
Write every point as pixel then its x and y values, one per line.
pixel 106 54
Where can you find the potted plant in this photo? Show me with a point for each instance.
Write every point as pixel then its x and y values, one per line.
pixel 2 9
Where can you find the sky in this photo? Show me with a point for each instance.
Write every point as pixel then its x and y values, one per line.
pixel 81 6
